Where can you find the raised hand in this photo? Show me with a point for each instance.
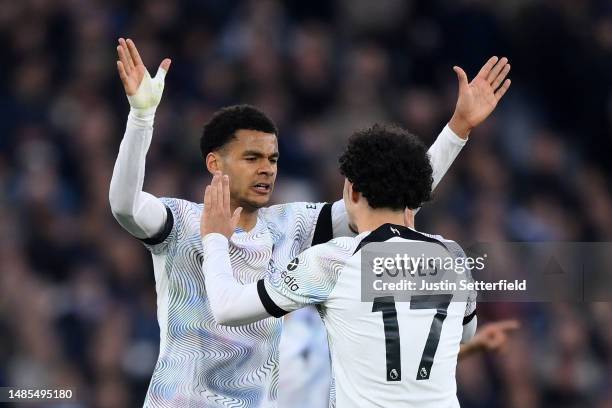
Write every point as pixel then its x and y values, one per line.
pixel 144 93
pixel 477 99
pixel 217 216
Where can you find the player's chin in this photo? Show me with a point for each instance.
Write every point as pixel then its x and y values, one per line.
pixel 259 200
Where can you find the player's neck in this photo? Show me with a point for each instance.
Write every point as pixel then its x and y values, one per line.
pixel 373 219
pixel 248 219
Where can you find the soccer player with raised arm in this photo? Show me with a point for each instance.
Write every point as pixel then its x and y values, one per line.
pixel 202 363
pixel 384 354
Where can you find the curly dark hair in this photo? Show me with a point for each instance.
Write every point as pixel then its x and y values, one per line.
pixel 389 166
pixel 224 124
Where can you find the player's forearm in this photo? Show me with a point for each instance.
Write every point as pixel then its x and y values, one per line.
pixel 231 303
pixel 468 349
pixel 140 213
pixel 443 153
pixel 468 345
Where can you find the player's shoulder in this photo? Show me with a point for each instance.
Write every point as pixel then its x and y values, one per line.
pixel 173 202
pixel 182 209
pixel 325 261
pixel 452 245
pixel 338 249
pixel 289 210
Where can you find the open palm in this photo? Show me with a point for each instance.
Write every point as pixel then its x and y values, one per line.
pixel 477 99
pixel 130 66
pixel 144 93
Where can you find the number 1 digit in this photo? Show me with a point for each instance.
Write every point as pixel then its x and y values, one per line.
pixel 386 305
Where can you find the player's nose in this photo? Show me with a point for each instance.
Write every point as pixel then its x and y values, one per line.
pixel 267 169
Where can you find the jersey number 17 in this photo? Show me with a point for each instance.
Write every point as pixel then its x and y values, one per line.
pixel 386 305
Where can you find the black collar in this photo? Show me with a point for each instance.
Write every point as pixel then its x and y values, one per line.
pixel 387 231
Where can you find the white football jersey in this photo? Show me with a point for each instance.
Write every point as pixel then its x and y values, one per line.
pixel 203 364
pixel 384 354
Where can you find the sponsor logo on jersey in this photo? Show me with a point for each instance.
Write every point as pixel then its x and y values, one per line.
pixel 293 264
pixel 289 281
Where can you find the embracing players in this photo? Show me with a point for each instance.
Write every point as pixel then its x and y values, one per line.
pixel 201 362
pixel 384 354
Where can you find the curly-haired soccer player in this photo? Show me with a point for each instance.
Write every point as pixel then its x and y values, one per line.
pixel 383 354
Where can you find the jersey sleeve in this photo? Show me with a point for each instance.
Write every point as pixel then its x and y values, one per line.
pixel 307 280
pixel 443 152
pixel 304 223
pixel 138 212
pixel 470 307
pixel 175 226
pixel 231 303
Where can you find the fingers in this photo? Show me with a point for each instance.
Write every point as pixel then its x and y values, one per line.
pixel 507 325
pixel 226 194
pixel 498 332
pixel 486 68
pixel 217 205
pixel 217 195
pixel 123 58
pixel 496 70
pixel 128 62
pixel 493 340
pixel 236 217
pixel 205 217
pixel 163 68
pixel 499 340
pixel 122 73
pixel 502 90
pixel 220 206
pixel 461 76
pixel 214 194
pixel 207 199
pixel 134 52
pixel 500 78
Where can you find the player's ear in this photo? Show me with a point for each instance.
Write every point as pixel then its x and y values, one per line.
pixel 213 162
pixel 352 194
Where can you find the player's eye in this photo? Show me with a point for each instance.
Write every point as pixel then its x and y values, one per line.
pixel 250 159
pixel 274 160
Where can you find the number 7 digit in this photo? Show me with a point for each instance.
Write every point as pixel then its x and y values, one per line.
pixel 440 303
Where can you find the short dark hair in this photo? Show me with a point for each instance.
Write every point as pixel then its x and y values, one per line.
pixel 389 166
pixel 224 124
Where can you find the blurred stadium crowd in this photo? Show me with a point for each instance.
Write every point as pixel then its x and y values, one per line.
pixel 77 295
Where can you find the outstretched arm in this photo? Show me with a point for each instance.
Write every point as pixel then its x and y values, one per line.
pixel 231 303
pixel 140 213
pixel 476 100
